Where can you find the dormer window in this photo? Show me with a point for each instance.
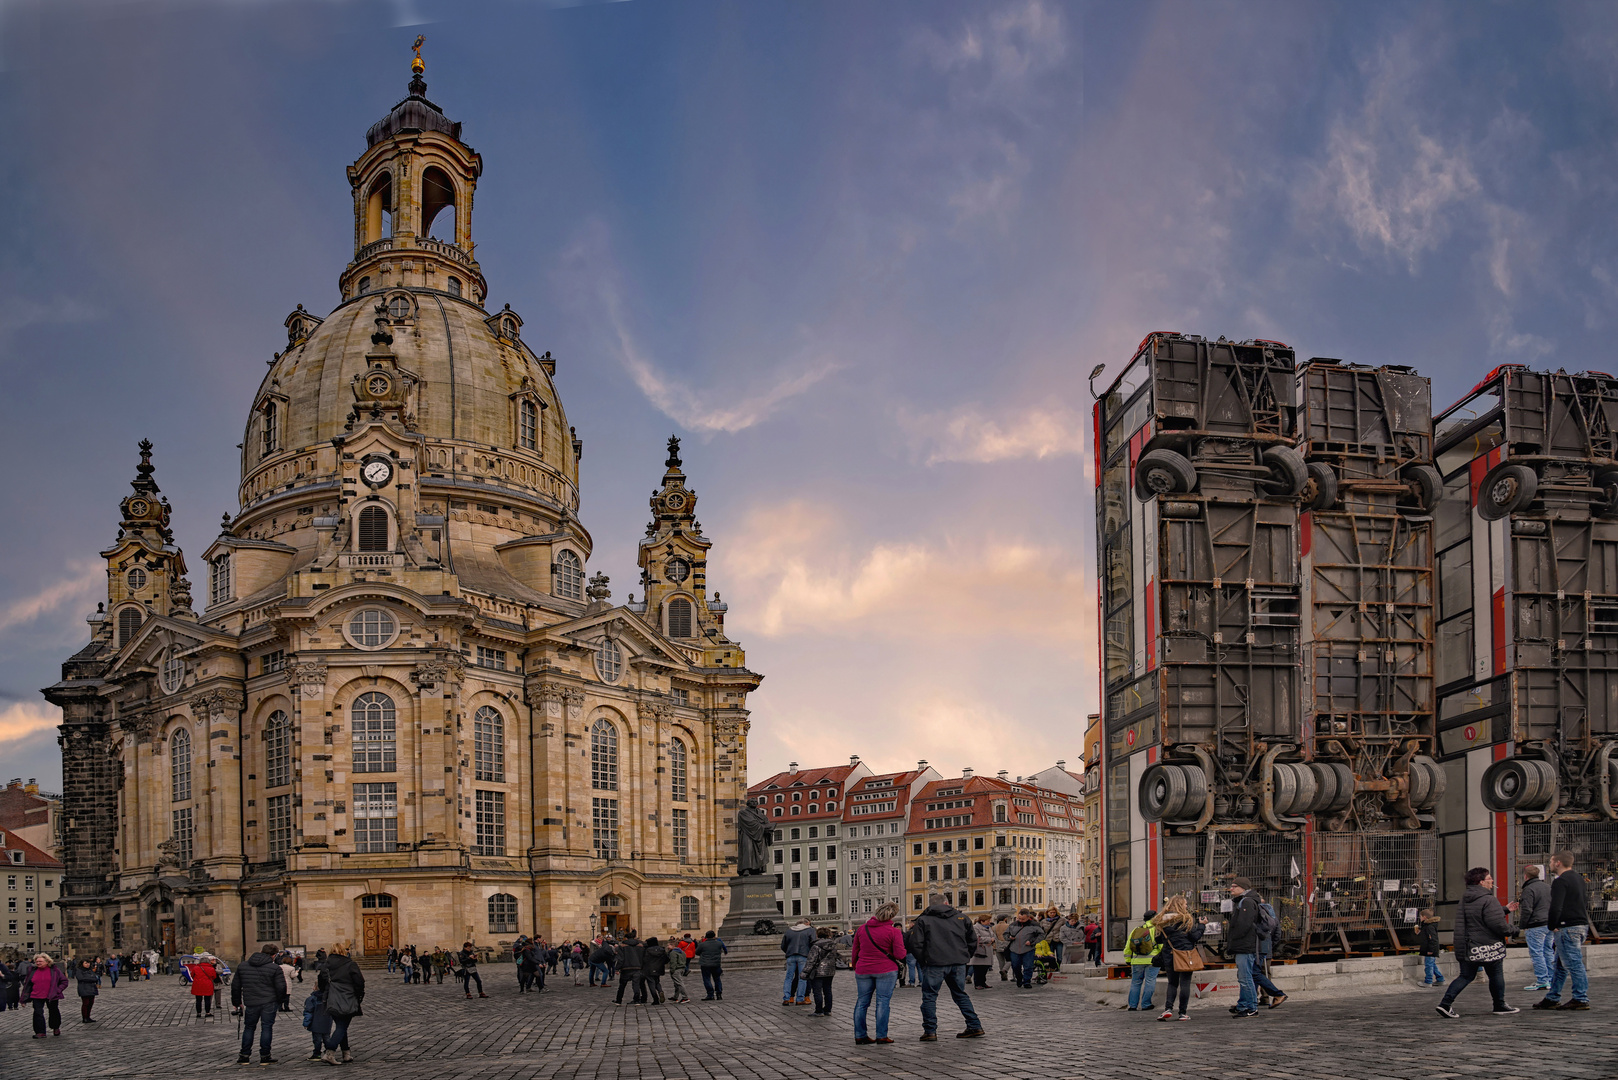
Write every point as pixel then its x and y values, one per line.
pixel 221 579
pixel 528 425
pixel 272 438
pixel 508 328
pixel 569 576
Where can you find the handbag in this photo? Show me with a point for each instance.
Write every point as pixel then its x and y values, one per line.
pixel 1484 954
pixel 1188 960
pixel 340 1000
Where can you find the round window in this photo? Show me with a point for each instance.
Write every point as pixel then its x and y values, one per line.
pixel 173 673
pixel 399 307
pixel 371 628
pixel 609 661
pixel 136 579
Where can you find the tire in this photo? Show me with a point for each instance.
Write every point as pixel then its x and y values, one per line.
pixel 1426 486
pixel 1162 792
pixel 1308 790
pixel 1325 787
pixel 1288 472
pixel 1345 786
pixel 1505 490
pixel 1421 785
pixel 1607 480
pixel 1438 781
pixel 1285 784
pixel 1196 792
pixel 1518 784
pixel 1322 490
pixel 1164 472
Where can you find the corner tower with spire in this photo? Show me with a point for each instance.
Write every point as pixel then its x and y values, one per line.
pixel 399 711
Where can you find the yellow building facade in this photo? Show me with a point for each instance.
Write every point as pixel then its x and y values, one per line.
pixel 404 714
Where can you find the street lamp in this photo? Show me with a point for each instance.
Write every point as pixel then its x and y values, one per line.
pixel 1099 368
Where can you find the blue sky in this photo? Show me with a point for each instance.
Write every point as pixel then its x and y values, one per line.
pixel 860 255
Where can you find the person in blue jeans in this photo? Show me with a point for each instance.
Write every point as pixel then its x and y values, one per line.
pixel 796 943
pixel 879 949
pixel 1569 922
pixel 1021 937
pixel 944 941
pixel 1427 941
pixel 1141 950
pixel 1533 912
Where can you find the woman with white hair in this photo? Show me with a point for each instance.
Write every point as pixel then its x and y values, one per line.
pixel 44 986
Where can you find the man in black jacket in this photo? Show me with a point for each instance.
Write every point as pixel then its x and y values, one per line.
pixel 468 963
pixel 943 942
pixel 631 958
pixel 1569 921
pixel 1241 940
pixel 259 985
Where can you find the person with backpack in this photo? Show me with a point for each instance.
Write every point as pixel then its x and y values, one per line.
pixel 878 953
pixel 343 987
pixel 821 968
pixel 1141 949
pixel 795 944
pixel 1269 995
pixel 1248 921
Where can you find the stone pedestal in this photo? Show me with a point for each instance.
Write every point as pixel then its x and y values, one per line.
pixel 752 901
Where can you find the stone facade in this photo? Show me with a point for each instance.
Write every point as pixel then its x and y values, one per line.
pixel 402 715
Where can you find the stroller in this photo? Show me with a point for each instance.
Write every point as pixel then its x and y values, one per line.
pixel 1045 964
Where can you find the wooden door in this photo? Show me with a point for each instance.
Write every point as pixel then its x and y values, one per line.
pixel 378 933
pixel 168 939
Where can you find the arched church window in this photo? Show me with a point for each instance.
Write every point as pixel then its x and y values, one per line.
pixel 604 756
pixel 569 576
pixel 679 618
pixel 373 530
pixel 364 286
pixel 271 433
pixel 455 286
pixel 508 328
pixel 129 620
pixel 677 770
pixel 399 308
pixel 277 750
pixel 379 210
pixel 489 744
pixel 437 195
pixel 502 914
pixel 528 425
pixel 375 734
pixel 221 579
pixel 180 765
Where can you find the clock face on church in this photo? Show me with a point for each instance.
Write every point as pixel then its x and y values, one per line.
pixel 376 471
pixel 675 501
pixel 378 386
pixel 139 508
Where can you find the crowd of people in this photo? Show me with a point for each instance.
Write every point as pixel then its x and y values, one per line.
pixel 941 949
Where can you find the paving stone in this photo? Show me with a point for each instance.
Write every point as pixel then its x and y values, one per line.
pixel 149 1030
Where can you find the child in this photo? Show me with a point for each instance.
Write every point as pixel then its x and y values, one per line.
pixel 317 1020
pixel 1044 961
pixel 1427 937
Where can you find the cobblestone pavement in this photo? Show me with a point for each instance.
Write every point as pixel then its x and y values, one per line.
pixel 148 1030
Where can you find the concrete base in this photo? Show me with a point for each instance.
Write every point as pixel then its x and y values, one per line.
pixel 1375 974
pixel 752 902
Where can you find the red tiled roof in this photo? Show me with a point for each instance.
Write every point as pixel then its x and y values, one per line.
pixel 897 784
pixel 810 783
pixel 31 855
pixel 981 793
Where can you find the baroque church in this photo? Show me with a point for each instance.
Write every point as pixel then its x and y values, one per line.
pixel 403 713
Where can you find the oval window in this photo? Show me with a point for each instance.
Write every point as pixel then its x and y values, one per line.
pixel 371 628
pixel 137 579
pixel 609 661
pixel 173 673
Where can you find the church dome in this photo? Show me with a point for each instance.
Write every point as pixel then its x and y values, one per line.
pixel 414 113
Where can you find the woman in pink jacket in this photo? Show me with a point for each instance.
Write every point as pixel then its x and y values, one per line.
pixel 44 986
pixel 879 949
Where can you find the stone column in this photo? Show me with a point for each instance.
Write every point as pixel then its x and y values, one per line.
pixel 438 798
pixel 219 712
pixel 313 750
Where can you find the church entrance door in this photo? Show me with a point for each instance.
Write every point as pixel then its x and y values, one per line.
pixel 377 933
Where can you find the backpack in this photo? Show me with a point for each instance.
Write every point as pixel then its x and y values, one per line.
pixel 1143 940
pixel 1266 923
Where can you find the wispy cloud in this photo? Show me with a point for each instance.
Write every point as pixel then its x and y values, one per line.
pixel 968 435
pixel 18 313
pixel 20 719
pixel 54 597
pixel 727 409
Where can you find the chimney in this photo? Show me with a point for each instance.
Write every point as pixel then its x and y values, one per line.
pixel 966 773
pixel 792 766
pixel 1061 763
pixel 922 764
pixel 853 759
pixel 32 787
pixel 14 782
pixel 1001 774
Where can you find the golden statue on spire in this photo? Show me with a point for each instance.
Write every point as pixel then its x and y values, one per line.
pixel 417 66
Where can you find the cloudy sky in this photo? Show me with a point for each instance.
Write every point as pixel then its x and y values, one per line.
pixel 860 255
